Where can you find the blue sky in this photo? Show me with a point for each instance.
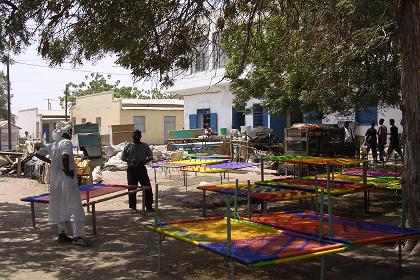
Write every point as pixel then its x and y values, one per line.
pixel 33 81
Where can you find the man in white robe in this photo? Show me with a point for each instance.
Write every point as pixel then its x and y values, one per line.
pixel 65 207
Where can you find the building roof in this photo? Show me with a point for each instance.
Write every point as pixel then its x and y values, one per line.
pixel 29 109
pixel 153 108
pixel 153 102
pixel 4 124
pixel 201 82
pixel 46 113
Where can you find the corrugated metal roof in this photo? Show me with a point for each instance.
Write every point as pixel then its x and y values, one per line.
pixel 4 124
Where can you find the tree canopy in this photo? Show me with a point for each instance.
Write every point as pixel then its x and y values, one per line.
pixel 323 55
pixel 315 55
pixel 96 83
pixel 148 37
pixel 286 53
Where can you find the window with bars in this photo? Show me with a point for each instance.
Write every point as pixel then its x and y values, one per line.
pixel 218 56
pixel 257 115
pixel 139 123
pixel 201 59
pixel 98 122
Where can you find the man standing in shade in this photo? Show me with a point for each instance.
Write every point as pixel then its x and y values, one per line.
pixel 382 135
pixel 137 155
pixel 394 141
pixel 65 207
pixel 371 141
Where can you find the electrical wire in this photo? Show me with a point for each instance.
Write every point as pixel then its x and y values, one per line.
pixel 69 69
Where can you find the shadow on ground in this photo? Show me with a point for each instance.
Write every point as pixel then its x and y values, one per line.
pixel 124 249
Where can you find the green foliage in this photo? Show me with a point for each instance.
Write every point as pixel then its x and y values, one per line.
pixel 96 83
pixel 149 37
pixel 324 55
pixel 315 55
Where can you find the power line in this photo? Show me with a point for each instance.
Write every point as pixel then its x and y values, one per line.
pixel 69 69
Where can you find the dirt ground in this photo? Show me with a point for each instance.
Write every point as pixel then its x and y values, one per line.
pixel 124 249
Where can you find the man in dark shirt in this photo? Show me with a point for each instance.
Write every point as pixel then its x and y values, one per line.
pixel 382 135
pixel 137 154
pixel 394 141
pixel 371 142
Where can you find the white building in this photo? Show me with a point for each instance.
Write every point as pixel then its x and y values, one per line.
pixel 365 116
pixel 38 123
pixel 208 100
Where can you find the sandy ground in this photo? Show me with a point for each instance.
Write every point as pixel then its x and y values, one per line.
pixel 123 249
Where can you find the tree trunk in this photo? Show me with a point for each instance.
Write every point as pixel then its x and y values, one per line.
pixel 410 88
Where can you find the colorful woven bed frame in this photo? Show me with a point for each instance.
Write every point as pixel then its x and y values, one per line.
pixel 221 167
pixel 371 172
pixel 186 163
pixel 258 192
pixel 387 183
pixel 338 188
pixel 274 238
pixel 345 230
pixel 88 192
pixel 252 244
pixel 311 160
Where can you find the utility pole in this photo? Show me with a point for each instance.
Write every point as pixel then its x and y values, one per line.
pixel 9 113
pixel 65 105
pixel 49 102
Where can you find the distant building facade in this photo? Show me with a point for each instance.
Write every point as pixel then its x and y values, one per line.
pixel 4 136
pixel 153 117
pixel 38 123
pixel 363 117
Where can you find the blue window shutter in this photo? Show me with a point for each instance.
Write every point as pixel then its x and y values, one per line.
pixel 366 115
pixel 265 118
pixel 193 121
pixel 234 118
pixel 213 122
pixel 278 123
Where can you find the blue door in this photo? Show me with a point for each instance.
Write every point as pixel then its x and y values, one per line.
pixel 238 119
pixel 278 123
pixel 46 132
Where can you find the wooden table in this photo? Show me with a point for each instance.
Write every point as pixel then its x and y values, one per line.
pixel 18 156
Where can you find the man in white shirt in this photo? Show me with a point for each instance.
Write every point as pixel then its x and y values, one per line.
pixel 348 132
pixel 65 207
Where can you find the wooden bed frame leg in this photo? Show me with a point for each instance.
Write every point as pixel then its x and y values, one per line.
pixel 33 213
pixel 264 206
pixel 161 238
pixel 232 270
pixel 399 258
pixel 143 202
pixel 94 218
pixel 204 203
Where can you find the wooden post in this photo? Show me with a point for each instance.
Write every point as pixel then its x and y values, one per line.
pixel 204 203
pixel 156 204
pixel 94 218
pixel 33 213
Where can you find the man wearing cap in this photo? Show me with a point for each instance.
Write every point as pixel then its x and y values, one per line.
pixel 65 206
pixel 137 154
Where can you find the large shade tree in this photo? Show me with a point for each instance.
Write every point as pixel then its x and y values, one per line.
pixel 324 55
pixel 97 83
